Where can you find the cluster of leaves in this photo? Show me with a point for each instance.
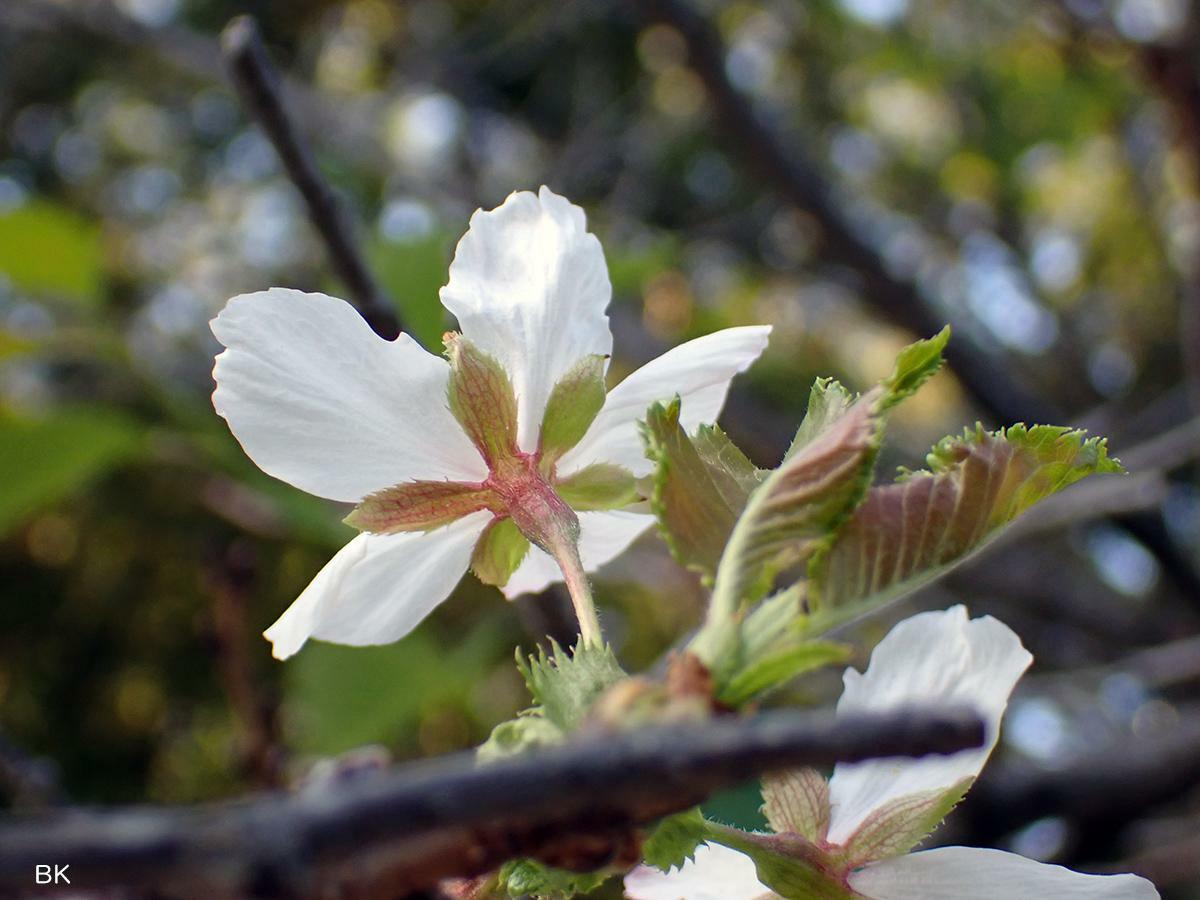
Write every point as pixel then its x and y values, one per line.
pixel 791 552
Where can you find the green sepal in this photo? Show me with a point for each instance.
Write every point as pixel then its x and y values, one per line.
pixel 599 486
pixel 481 398
pixel 419 506
pixel 673 841
pixel 499 552
pixel 572 406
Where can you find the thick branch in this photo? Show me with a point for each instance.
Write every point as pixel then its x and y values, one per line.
pixel 258 85
pixel 415 825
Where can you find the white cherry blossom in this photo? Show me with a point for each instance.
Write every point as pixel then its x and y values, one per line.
pixel 934 658
pixel 318 400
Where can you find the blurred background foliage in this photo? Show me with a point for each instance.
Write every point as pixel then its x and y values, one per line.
pixel 1024 165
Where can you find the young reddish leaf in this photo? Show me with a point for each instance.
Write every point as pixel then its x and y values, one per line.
pixel 701 485
pixel 572 406
pixel 598 486
pixel 500 550
pixel 797 802
pixel 481 399
pixel 906 533
pixel 419 506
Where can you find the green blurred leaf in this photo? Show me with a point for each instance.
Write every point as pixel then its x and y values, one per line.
pixel 344 697
pixel 48 249
pixel 47 460
pixel 412 273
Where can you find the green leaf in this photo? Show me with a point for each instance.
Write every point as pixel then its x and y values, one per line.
pixel 46 460
pixel 572 407
pixel 419 506
pixel 674 840
pixel 764 672
pixel 565 685
pixel 482 400
pixel 598 486
pixel 500 549
pixel 412 272
pixel 525 877
pixel 700 487
pixel 907 533
pixel 797 801
pixel 49 249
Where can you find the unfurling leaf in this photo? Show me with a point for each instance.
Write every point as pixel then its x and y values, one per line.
pixel 827 402
pixel 500 549
pixel 419 506
pixel 797 801
pixel 906 533
pixel 701 485
pixel 572 406
pixel 598 486
pixel 674 840
pixel 481 398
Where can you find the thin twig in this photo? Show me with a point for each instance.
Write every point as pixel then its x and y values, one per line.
pixel 415 825
pixel 252 73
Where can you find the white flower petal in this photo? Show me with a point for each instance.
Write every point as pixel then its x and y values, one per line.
pixel 321 402
pixel 603 535
pixel 698 371
pixel 717 873
pixel 932 659
pixel 378 588
pixel 951 873
pixel 529 285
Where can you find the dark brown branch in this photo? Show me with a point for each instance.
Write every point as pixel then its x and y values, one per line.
pixel 252 73
pixel 402 831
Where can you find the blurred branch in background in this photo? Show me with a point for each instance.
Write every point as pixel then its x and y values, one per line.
pixel 399 833
pixel 259 87
pixel 257 713
pixel 793 174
